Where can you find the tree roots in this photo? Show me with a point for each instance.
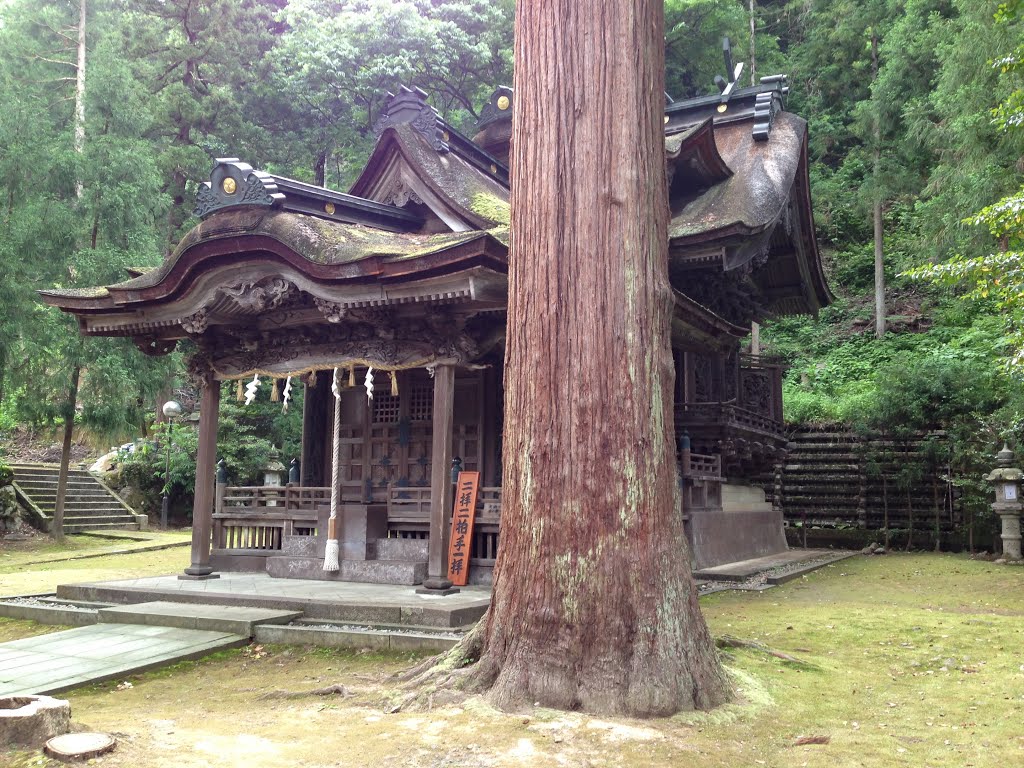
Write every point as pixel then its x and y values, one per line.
pixel 728 641
pixel 446 678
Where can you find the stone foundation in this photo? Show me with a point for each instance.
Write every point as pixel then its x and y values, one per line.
pixel 744 527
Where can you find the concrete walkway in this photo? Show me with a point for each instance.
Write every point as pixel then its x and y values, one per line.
pixel 64 660
pixel 127 639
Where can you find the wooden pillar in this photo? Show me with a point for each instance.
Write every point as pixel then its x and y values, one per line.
pixel 202 508
pixel 440 480
pixel 315 430
pixel 491 427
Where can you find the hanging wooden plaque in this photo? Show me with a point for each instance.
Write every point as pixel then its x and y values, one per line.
pixel 463 518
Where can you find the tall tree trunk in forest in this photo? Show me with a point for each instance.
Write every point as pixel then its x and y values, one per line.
pixel 885 510
pixel 594 605
pixel 70 405
pixel 753 45
pixel 80 92
pixel 910 521
pixel 320 167
pixel 876 208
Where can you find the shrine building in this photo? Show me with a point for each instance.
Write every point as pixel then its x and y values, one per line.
pixel 401 285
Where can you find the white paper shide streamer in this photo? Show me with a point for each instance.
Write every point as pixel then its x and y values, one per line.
pixel 251 388
pixel 332 550
pixel 368 383
pixel 287 394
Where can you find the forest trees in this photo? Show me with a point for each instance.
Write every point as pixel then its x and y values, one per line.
pixel 997 278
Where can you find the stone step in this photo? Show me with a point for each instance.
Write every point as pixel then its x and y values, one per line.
pixel 398 549
pixel 237 620
pixel 401 639
pixel 41 479
pixel 97 519
pixel 85 507
pixel 367 571
pixel 73 489
pixel 47 469
pixel 82 527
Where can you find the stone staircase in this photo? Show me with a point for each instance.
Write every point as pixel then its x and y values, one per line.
pixel 89 505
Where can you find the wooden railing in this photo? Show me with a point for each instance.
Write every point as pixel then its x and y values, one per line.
pixel 691 415
pixel 255 519
pixel 259 532
pixel 704 465
pixel 409 518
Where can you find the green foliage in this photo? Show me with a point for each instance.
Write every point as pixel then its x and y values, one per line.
pixel 245 439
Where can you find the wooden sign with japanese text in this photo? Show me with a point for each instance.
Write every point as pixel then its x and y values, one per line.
pixel 462 527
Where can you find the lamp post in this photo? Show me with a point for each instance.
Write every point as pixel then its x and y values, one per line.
pixel 1006 479
pixel 172 409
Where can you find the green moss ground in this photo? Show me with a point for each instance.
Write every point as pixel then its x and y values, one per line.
pixel 21 572
pixel 913 660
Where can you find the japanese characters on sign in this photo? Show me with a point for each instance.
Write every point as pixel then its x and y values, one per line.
pixel 463 518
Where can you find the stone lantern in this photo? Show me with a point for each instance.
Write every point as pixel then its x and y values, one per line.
pixel 1007 505
pixel 272 474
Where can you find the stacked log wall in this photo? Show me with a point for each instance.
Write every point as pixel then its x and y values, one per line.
pixel 835 479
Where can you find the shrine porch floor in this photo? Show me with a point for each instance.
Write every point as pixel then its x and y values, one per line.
pixel 357 603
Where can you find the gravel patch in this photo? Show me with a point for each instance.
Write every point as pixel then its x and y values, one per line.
pixel 376 630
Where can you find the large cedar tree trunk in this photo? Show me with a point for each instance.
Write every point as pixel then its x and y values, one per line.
pixel 594 604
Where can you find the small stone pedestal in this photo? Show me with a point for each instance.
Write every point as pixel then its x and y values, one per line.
pixel 31 721
pixel 1007 505
pixel 438 587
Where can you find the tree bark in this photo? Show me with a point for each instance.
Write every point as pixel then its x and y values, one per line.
pixel 876 208
pixel 57 524
pixel 594 606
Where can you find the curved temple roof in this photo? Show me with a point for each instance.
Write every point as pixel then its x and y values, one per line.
pixel 431 206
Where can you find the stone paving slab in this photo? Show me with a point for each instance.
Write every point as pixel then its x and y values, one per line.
pixel 334 601
pixel 745 569
pixel 236 619
pixel 64 660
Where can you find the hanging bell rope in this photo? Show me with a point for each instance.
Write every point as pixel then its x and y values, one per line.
pixel 332 549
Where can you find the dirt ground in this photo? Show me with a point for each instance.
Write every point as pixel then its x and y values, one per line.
pixel 911 660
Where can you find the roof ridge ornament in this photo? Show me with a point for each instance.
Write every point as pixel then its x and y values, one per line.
pixel 410 107
pixel 233 183
pixel 498 107
pixel 767 105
